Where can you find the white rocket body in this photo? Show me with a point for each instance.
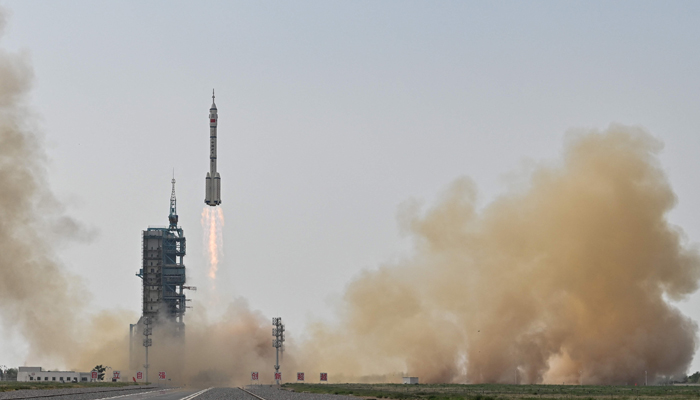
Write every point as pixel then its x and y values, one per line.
pixel 213 182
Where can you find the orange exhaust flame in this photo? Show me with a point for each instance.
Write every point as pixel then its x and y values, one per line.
pixel 212 224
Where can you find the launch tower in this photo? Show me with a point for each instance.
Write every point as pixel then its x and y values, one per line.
pixel 163 272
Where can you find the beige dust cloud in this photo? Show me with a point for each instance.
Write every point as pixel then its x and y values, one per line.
pixel 40 301
pixel 37 298
pixel 562 279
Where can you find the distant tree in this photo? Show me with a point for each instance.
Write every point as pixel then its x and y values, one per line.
pixel 100 371
pixel 694 378
pixel 7 374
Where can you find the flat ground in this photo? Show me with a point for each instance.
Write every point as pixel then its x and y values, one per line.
pixel 495 392
pixel 366 392
pixel 155 393
pixel 6 386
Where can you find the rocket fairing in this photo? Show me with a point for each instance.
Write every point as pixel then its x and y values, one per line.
pixel 213 180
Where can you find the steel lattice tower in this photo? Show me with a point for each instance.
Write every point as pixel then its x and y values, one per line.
pixel 163 271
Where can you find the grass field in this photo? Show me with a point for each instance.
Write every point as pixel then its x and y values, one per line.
pixel 494 391
pixel 9 386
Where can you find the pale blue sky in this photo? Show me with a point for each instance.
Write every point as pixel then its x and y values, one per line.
pixel 332 114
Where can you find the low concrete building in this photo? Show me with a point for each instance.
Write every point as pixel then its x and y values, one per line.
pixel 410 380
pixel 28 374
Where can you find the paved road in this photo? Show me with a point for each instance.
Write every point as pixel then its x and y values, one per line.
pixel 84 393
pixel 93 394
pixel 225 394
pixel 206 394
pixel 262 393
pixel 171 394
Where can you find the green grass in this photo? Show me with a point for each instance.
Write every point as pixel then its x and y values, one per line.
pixel 502 392
pixel 10 386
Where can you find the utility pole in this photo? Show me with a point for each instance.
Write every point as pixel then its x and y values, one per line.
pixel 147 342
pixel 646 381
pixel 277 342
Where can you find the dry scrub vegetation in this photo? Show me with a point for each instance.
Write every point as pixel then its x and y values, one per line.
pixel 498 391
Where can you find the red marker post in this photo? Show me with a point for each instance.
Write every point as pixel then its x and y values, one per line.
pixel 324 377
pixel 300 377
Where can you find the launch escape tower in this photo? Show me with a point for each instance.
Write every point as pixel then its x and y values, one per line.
pixel 163 273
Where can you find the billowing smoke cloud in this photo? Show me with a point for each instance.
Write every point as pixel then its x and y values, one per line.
pixel 37 298
pixel 223 351
pixel 562 279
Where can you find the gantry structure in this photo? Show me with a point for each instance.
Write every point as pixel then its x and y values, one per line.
pixel 163 272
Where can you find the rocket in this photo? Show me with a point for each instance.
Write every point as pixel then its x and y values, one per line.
pixel 213 181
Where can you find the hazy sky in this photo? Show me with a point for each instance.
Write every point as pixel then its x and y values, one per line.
pixel 332 115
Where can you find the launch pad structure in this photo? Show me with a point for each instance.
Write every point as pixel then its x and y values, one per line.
pixel 163 271
pixel 163 276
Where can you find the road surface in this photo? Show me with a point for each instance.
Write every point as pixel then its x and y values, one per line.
pixel 257 392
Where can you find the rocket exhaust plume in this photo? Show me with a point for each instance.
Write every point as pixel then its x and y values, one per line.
pixel 212 224
pixel 562 279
